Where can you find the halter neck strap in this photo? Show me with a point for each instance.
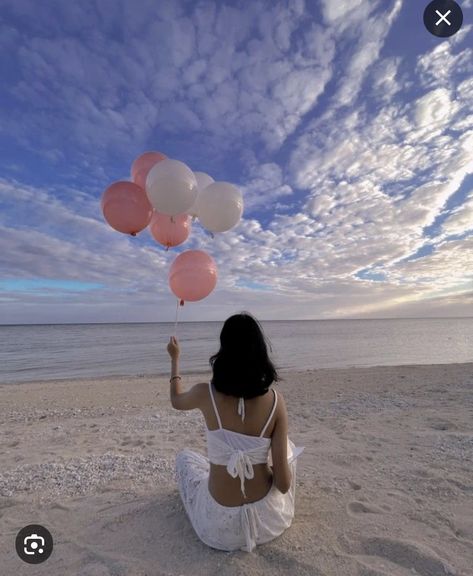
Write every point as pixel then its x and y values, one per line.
pixel 241 408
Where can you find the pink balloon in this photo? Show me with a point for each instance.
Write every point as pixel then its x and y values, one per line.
pixel 170 230
pixel 193 275
pixel 126 207
pixel 142 165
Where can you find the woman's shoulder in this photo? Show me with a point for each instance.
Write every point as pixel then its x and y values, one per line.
pixel 278 393
pixel 280 402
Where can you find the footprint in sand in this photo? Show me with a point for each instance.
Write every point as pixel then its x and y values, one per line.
pixel 355 508
pixel 422 473
pixel 409 555
pixel 386 556
pixel 438 424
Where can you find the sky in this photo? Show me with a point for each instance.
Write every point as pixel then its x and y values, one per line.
pixel 346 125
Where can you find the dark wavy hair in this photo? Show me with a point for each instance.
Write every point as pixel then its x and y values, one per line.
pixel 242 367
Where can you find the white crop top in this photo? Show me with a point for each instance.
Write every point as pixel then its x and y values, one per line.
pixel 237 451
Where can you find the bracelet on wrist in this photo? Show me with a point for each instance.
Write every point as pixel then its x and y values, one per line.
pixel 175 377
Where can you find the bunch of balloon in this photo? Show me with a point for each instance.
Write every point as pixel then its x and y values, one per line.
pixel 172 189
pixel 165 194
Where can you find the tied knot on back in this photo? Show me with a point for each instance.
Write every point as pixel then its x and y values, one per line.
pixel 240 465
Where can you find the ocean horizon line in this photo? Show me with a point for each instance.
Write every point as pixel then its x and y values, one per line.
pixel 220 321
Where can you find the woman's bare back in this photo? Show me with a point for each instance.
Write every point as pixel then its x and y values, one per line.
pixel 222 487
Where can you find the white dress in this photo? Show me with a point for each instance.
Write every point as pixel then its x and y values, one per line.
pixel 234 527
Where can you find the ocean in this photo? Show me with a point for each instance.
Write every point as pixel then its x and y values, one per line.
pixel 63 351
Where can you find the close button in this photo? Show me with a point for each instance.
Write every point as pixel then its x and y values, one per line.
pixel 443 18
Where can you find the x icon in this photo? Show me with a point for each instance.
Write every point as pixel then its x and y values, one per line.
pixel 443 17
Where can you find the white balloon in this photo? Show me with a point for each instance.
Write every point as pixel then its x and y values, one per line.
pixel 203 180
pixel 219 206
pixel 171 187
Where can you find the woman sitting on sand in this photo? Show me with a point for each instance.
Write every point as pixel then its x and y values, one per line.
pixel 233 498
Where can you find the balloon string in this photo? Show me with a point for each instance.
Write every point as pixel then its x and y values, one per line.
pixel 175 321
pixel 168 423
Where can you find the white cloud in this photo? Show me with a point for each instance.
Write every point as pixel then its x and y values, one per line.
pixel 450 265
pixel 385 81
pixel 229 71
pixel 73 245
pixel 439 66
pixel 460 219
pixel 373 31
pixel 264 186
pixel 465 90
pixel 332 11
pixel 367 212
pixel 434 110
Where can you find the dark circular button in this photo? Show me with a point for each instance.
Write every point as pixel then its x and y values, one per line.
pixel 34 544
pixel 443 18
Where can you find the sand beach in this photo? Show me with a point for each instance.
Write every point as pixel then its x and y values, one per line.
pixel 384 486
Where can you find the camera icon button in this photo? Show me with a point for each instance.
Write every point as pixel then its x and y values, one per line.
pixel 34 544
